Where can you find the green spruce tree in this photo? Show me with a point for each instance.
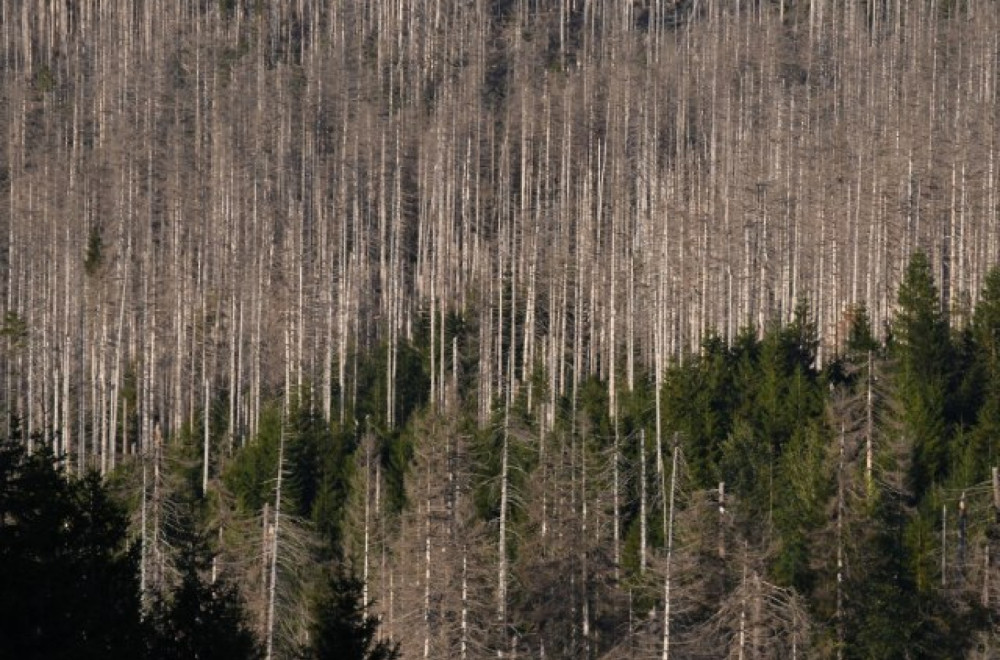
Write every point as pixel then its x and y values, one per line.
pixel 343 629
pixel 923 353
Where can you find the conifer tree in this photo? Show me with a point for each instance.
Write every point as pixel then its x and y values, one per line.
pixel 923 352
pixel 986 338
pixel 200 619
pixel 69 576
pixel 343 628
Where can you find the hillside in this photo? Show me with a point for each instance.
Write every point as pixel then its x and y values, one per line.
pixel 521 283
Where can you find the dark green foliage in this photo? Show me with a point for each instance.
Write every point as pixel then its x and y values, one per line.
pixel 250 476
pixel 593 406
pixel 698 400
pixel 318 464
pixel 487 454
pixel 343 629
pixel 463 329
pixel 200 620
pixel 881 606
pixel 412 381
pixel 204 621
pixel 14 329
pixel 395 452
pixel 69 578
pixel 758 415
pixel 45 81
pixel 412 388
pixel 891 609
pixel 805 486
pixel 94 257
pixel 986 322
pixel 798 340
pixel 412 385
pixel 860 338
pixel 318 467
pixel 986 344
pixel 924 355
pixel 738 408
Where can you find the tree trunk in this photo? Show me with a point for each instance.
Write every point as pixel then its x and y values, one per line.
pixel 273 579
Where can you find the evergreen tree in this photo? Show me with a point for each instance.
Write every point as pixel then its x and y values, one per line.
pixel 860 337
pixel 319 463
pixel 880 604
pixel 923 352
pixel 343 629
pixel 698 398
pixel 69 577
pixel 986 339
pixel 200 620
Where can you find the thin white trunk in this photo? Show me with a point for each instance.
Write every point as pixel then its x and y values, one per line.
pixel 368 478
pixel 642 501
pixel 616 508
pixel 265 564
pixel 205 456
pixel 986 577
pixel 670 557
pixel 465 602
pixel 116 377
pixel 869 430
pixel 743 618
pixel 427 578
pixel 144 547
pixel 157 496
pixel 944 546
pixel 502 545
pixel 272 582
pixel 840 548
pixel 722 516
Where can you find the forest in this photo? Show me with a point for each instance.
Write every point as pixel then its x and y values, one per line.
pixel 499 328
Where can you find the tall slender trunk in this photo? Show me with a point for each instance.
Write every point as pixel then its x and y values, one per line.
pixel 427 575
pixel 502 543
pixel 465 603
pixel 157 553
pixel 144 547
pixel 869 431
pixel 368 478
pixel 205 444
pixel 272 582
pixel 616 506
pixel 669 532
pixel 642 501
pixel 840 548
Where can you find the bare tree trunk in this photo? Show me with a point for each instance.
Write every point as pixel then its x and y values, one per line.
pixel 616 506
pixel 502 543
pixel 157 506
pixel 839 616
pixel 205 443
pixel 944 546
pixel 144 547
pixel 669 533
pixel 465 603
pixel 427 575
pixel 368 476
pixel 869 431
pixel 642 501
pixel 272 582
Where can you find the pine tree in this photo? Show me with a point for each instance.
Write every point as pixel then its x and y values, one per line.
pixel 986 339
pixel 343 629
pixel 923 352
pixel 200 619
pixel 69 576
